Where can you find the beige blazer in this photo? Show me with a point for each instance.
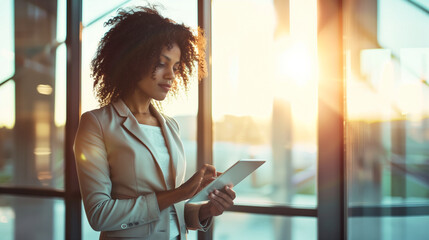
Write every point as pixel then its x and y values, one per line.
pixel 119 175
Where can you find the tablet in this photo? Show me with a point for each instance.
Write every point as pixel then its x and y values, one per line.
pixel 235 174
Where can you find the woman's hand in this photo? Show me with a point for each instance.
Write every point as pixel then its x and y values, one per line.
pixel 198 181
pixel 207 180
pixel 201 178
pixel 220 200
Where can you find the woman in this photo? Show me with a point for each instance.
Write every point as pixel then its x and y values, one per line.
pixel 130 159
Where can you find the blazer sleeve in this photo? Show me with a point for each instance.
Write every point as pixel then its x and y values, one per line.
pixel 103 212
pixel 192 218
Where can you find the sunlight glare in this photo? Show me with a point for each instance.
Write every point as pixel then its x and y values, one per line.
pixel 60 85
pixel 296 63
pixel 7 97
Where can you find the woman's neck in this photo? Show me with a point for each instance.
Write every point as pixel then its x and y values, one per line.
pixel 139 107
pixel 138 104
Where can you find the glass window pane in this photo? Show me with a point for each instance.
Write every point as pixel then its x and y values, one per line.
pixel 387 135
pixel 389 228
pixel 7 55
pixel 422 3
pixel 7 122
pixel 258 226
pixel 7 97
pixel 32 144
pixel 31 218
pixel 87 232
pixel 388 105
pixel 61 20
pixel 265 96
pixel 94 9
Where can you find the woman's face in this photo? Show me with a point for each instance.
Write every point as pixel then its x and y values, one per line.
pixel 157 84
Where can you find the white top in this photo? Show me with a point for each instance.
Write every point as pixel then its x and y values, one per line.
pixel 155 134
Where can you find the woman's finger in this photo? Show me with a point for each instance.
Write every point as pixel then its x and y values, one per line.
pixel 230 192
pixel 223 198
pixel 227 193
pixel 210 169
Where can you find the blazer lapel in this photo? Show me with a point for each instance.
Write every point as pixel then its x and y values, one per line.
pixel 132 126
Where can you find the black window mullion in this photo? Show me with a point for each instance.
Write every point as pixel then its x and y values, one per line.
pixel 389 210
pixel 275 210
pixel 31 192
pixel 73 228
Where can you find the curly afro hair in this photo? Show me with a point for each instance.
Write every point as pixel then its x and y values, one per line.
pixel 132 47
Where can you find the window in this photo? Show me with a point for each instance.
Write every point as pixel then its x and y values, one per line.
pixel 32 139
pixel 45 215
pixel 387 119
pixel 264 106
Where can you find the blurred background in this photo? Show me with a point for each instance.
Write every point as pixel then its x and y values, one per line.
pixel 269 72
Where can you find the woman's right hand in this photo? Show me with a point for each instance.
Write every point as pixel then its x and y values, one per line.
pixel 198 181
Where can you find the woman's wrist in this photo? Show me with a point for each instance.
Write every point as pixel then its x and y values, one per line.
pixel 181 193
pixel 184 192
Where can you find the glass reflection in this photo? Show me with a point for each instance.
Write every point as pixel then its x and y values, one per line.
pixel 31 218
pixel 387 140
pixel 31 144
pixel 387 107
pixel 258 226
pixel 389 228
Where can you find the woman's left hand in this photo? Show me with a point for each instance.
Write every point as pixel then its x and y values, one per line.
pixel 220 200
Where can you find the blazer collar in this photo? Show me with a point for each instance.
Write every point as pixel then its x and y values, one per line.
pixel 132 125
